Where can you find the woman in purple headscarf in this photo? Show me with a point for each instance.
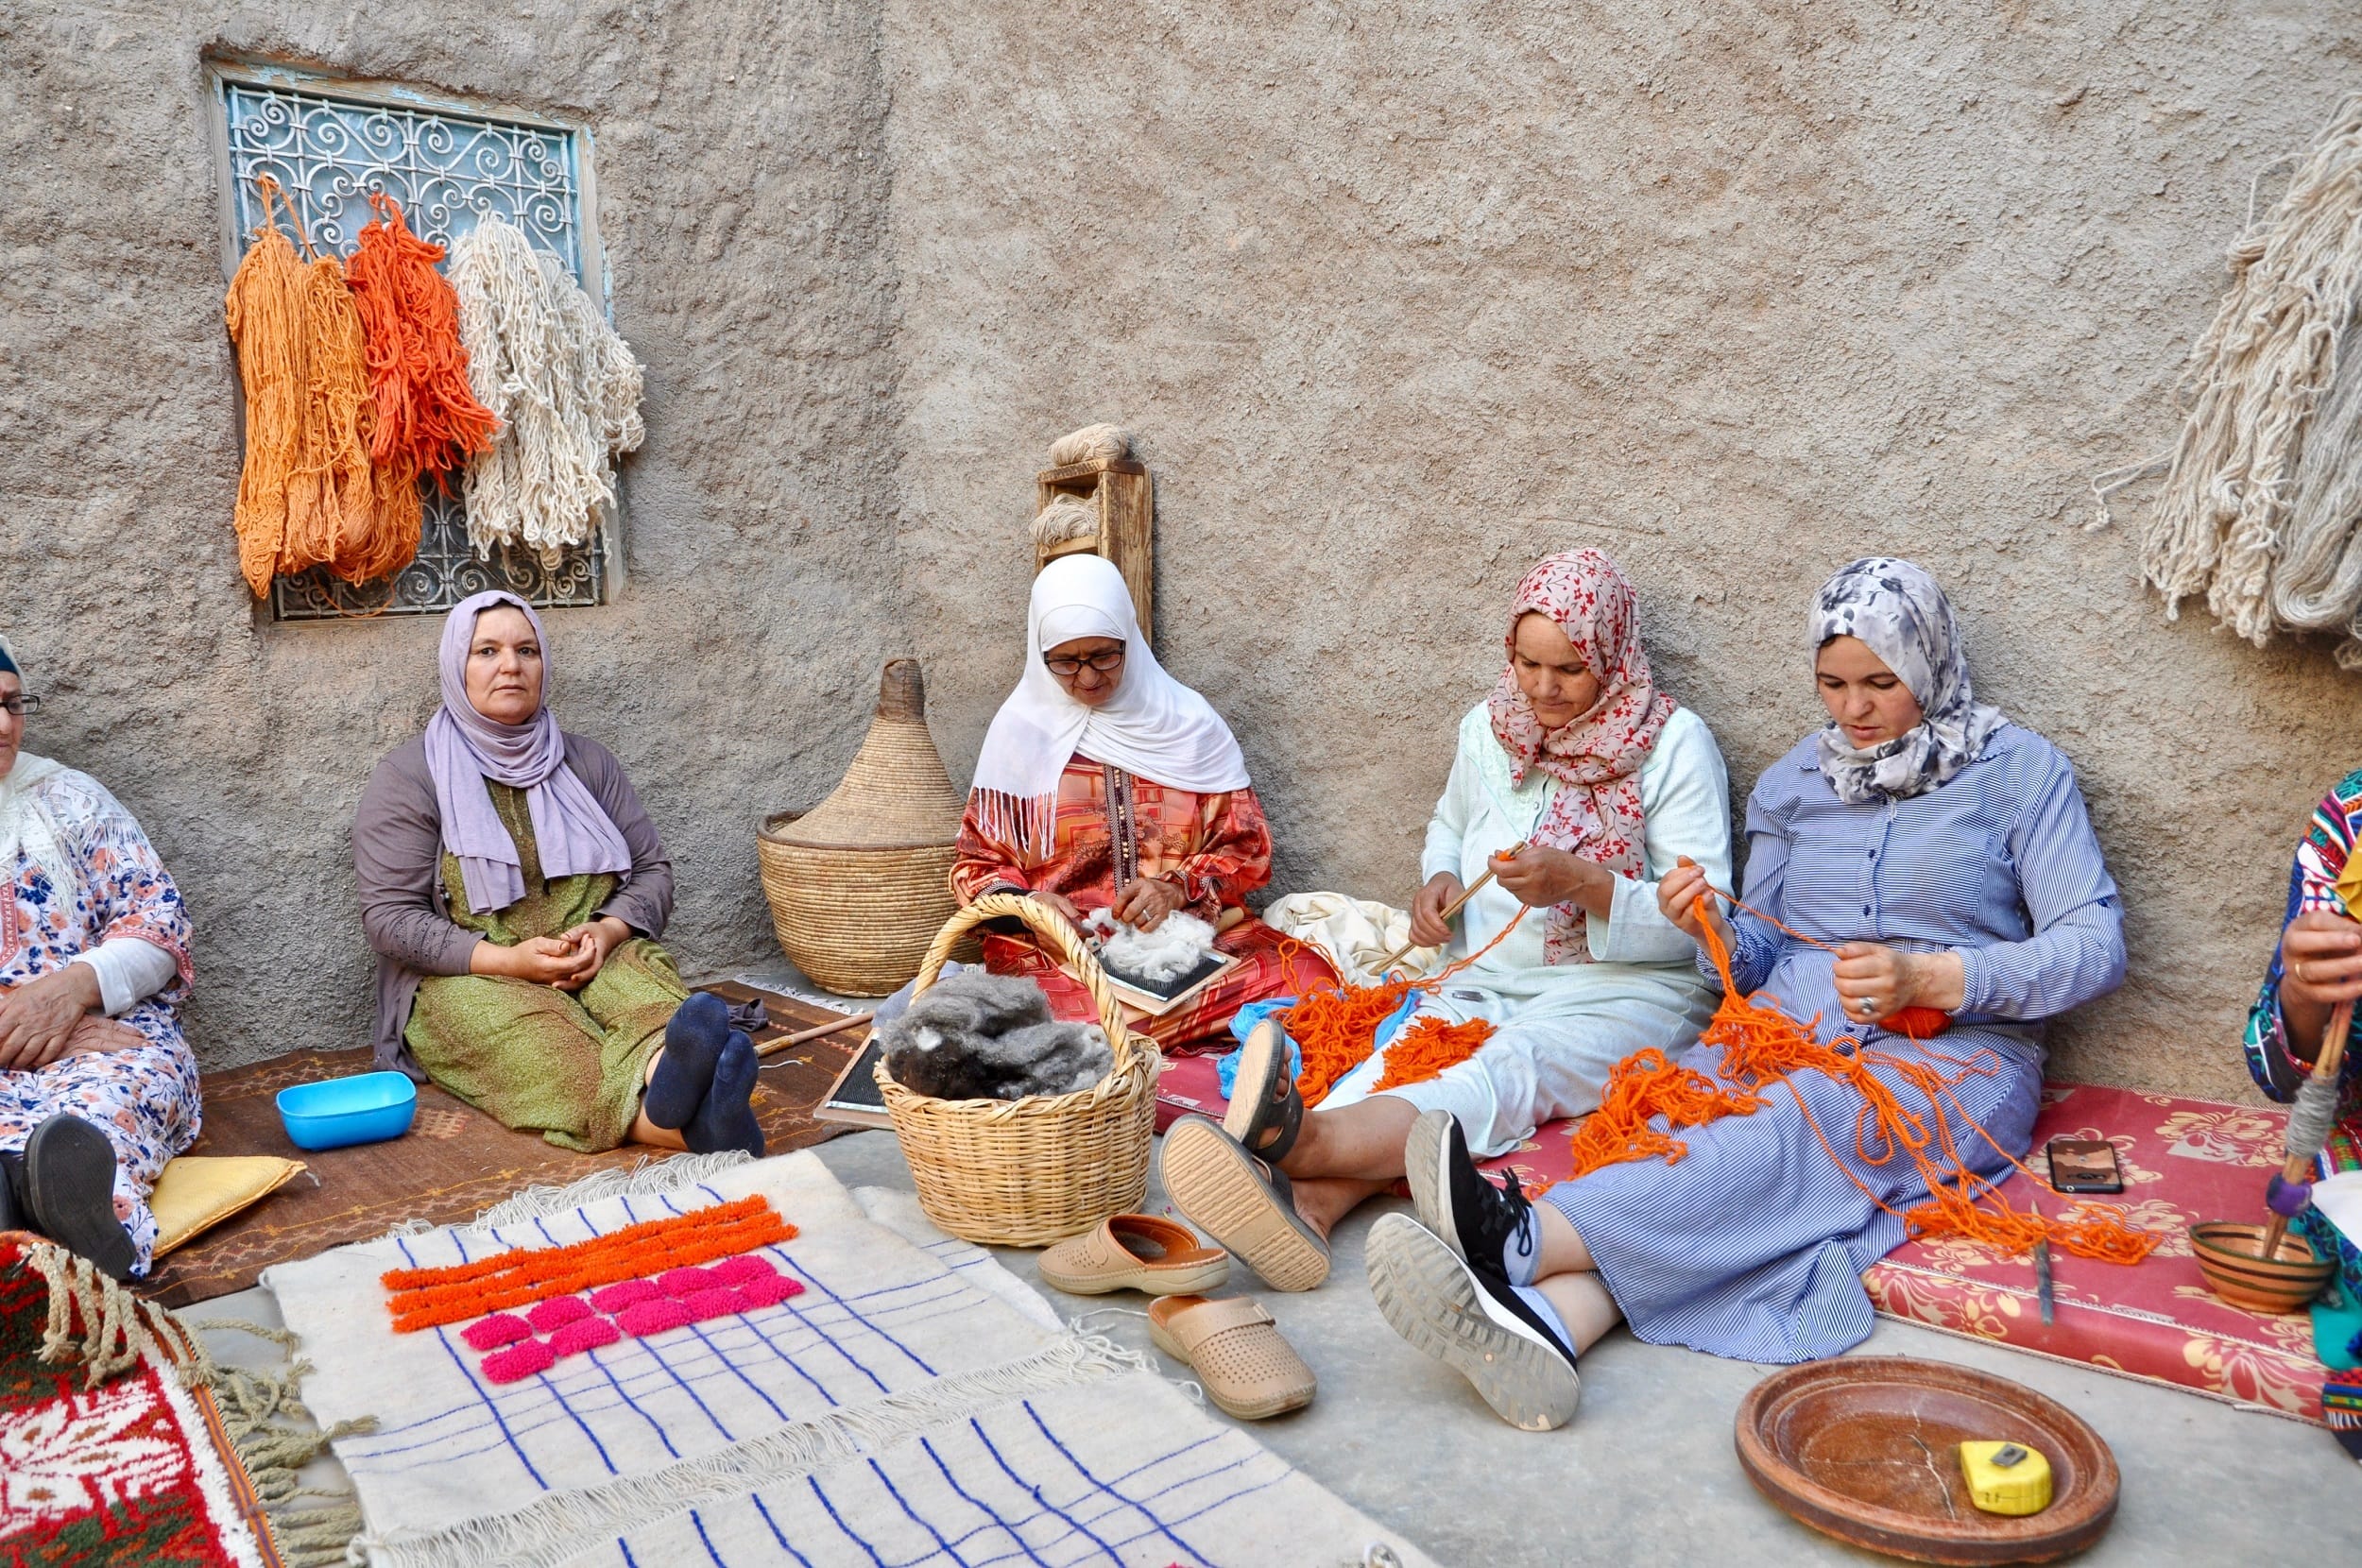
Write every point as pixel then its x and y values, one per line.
pixel 513 889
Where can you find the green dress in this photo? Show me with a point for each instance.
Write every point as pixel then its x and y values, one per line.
pixel 568 1065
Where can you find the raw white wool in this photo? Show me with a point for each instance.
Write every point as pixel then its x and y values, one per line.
pixel 1092 444
pixel 566 387
pixel 1178 944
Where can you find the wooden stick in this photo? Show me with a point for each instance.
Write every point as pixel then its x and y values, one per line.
pixel 816 1032
pixel 2333 1056
pixel 1449 910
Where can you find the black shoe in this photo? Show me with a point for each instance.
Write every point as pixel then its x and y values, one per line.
pixel 1491 1229
pixel 69 1185
pixel 12 1214
pixel 1474 1322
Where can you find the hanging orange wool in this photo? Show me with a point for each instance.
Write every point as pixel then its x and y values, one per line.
pixel 265 309
pixel 1762 1047
pixel 308 495
pixel 428 421
pixel 332 495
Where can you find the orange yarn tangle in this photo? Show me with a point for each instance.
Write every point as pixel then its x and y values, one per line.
pixel 1763 1047
pixel 426 1298
pixel 428 421
pixel 1336 1030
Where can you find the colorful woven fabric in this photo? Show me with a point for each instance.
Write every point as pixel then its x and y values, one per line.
pixel 424 1298
pixel 895 1405
pixel 120 1474
pixel 573 1325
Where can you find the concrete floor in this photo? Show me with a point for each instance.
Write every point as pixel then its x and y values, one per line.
pixel 1646 1474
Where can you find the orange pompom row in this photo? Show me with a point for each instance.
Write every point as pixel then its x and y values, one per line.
pixel 426 1298
pixel 1763 1045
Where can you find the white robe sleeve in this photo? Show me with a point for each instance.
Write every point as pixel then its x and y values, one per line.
pixel 1685 794
pixel 1448 829
pixel 130 970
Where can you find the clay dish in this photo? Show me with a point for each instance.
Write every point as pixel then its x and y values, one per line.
pixel 2230 1257
pixel 1867 1449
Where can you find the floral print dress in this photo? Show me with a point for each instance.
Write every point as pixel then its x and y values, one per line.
pixel 82 874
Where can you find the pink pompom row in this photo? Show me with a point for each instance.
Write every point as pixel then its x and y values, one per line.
pixel 638 1308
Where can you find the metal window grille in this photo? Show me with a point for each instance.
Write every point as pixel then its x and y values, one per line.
pixel 448 167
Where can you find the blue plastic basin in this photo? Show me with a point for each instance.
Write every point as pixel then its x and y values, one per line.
pixel 367 1107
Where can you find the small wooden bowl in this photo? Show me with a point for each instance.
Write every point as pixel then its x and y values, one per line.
pixel 2230 1257
pixel 1866 1448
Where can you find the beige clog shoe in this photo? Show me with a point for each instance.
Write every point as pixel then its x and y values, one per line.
pixel 1244 1364
pixel 1134 1251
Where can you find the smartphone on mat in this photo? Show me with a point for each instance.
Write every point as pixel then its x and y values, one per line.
pixel 2084 1165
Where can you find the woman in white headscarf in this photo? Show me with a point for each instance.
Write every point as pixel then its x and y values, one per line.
pixel 1105 784
pixel 97 1088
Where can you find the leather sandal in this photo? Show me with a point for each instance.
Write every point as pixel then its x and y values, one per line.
pixel 1240 1360
pixel 1134 1251
pixel 1265 1112
pixel 1246 1205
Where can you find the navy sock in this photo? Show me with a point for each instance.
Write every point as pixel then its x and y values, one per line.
pixel 727 1119
pixel 692 1043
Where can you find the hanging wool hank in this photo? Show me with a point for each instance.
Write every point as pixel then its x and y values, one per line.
pixel 563 386
pixel 332 493
pixel 428 420
pixel 1336 1029
pixel 1763 1047
pixel 2236 517
pixel 265 313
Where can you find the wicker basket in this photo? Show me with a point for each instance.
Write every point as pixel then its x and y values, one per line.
pixel 1028 1172
pixel 860 884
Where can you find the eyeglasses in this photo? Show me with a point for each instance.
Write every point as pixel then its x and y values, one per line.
pixel 25 702
pixel 1067 669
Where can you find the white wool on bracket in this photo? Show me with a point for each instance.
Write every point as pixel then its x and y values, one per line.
pixel 1179 943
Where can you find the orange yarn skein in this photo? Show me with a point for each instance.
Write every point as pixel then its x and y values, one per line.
pixel 428 420
pixel 1763 1047
pixel 265 311
pixel 1336 1029
pixel 331 497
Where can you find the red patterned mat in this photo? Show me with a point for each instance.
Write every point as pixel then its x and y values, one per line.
pixel 2184 1161
pixel 124 1473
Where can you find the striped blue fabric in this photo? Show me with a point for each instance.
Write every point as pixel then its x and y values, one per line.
pixel 1752 1245
pixel 2000 866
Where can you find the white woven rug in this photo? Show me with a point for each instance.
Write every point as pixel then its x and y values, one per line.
pixel 916 1405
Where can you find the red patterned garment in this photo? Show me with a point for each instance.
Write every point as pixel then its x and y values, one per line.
pixel 1112 828
pixel 1598 757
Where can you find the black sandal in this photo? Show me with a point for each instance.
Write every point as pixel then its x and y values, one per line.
pixel 1264 1098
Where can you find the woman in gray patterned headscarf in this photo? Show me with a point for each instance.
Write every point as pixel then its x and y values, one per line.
pixel 1897 610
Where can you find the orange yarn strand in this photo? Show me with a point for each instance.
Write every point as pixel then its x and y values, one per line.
pixel 1763 1045
pixel 428 421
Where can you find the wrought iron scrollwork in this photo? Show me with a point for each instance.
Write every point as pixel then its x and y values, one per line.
pixel 448 170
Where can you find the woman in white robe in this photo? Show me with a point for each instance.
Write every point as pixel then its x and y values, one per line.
pixel 1607 783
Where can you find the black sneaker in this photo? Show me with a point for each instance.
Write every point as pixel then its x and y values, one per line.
pixel 70 1186
pixel 1491 1229
pixel 1474 1322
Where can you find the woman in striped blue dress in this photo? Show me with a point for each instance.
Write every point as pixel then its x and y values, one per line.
pixel 1945 854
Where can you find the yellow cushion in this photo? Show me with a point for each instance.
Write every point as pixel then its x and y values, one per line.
pixel 195 1194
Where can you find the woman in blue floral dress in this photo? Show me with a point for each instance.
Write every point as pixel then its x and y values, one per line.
pixel 97 1087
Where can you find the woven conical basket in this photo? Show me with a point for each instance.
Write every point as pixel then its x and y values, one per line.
pixel 860 884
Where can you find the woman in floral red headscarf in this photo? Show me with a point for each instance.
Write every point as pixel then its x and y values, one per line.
pixel 1601 782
